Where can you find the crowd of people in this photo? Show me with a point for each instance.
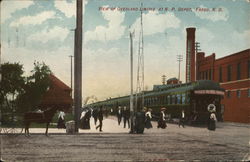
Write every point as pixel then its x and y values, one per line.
pixel 124 114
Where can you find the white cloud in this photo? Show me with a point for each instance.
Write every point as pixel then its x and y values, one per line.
pixel 44 36
pixel 113 31
pixel 69 9
pixel 104 71
pixel 204 36
pixel 9 7
pixel 243 36
pixel 58 60
pixel 153 22
pixel 238 41
pixel 33 20
pixel 213 15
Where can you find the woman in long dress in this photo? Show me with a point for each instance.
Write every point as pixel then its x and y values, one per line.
pixel 148 119
pixel 61 122
pixel 162 120
pixel 212 117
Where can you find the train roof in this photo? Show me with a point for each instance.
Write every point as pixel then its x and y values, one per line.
pixel 200 86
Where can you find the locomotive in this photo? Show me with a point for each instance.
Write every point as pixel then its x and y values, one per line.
pixel 193 98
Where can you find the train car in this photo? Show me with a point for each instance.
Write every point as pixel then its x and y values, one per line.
pixel 193 97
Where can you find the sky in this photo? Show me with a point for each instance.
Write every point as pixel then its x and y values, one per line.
pixel 42 30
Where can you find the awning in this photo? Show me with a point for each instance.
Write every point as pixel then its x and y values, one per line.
pixel 215 92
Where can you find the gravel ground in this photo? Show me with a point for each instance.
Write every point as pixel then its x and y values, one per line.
pixel 230 141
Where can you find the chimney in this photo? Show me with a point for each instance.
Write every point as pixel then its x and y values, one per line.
pixel 190 55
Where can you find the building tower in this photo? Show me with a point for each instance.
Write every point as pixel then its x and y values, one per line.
pixel 190 55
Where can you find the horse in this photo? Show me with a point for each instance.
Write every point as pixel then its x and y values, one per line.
pixel 38 117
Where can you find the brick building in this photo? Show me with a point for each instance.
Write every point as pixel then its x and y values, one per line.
pixel 58 95
pixel 233 74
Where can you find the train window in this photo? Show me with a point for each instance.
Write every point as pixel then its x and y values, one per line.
pixel 173 99
pixel 178 98
pixel 166 99
pixel 187 98
pixel 169 101
pixel 183 97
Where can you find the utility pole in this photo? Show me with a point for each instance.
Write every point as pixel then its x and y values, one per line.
pixel 78 65
pixel 140 70
pixel 71 74
pixel 163 79
pixel 132 113
pixel 197 49
pixel 179 59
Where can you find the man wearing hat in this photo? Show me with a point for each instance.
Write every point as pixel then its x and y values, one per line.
pixel 126 116
pixel 182 118
pixel 162 121
pixel 119 115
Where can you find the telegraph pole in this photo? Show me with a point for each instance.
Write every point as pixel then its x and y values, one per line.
pixel 140 70
pixel 179 59
pixel 197 49
pixel 132 119
pixel 78 65
pixel 71 74
pixel 163 79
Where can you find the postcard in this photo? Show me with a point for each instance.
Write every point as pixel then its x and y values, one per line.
pixel 115 80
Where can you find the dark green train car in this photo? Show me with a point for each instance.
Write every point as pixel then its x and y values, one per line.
pixel 193 97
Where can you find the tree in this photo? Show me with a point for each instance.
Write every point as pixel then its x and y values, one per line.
pixel 36 85
pixel 12 84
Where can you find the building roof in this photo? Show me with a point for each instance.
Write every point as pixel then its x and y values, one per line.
pixel 235 54
pixel 58 83
pixel 58 94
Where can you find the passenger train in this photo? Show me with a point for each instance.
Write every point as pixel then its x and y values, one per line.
pixel 193 97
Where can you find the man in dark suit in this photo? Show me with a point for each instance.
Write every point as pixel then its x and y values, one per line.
pixel 119 115
pixel 95 114
pixel 100 118
pixel 126 116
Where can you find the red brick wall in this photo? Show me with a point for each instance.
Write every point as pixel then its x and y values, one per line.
pixel 237 109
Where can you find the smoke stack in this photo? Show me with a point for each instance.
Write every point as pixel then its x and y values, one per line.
pixel 190 55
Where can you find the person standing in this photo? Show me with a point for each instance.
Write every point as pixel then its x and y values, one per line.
pixel 100 118
pixel 212 117
pixel 148 117
pixel 61 122
pixel 85 119
pixel 95 114
pixel 182 118
pixel 162 119
pixel 126 116
pixel 119 115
